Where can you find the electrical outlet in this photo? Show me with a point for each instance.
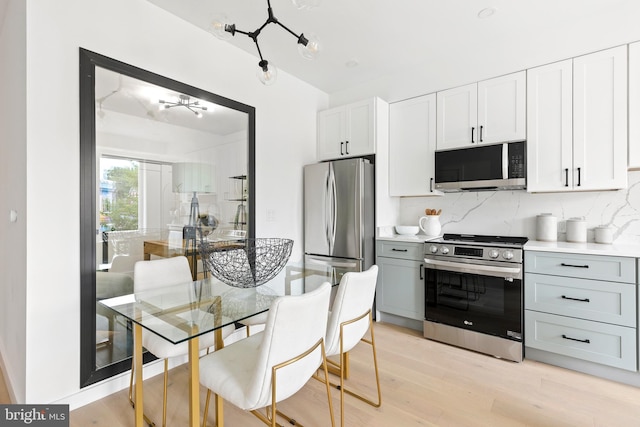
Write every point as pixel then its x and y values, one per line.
pixel 271 215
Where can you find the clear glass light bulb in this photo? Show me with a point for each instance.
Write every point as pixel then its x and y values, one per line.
pixel 306 4
pixel 218 25
pixel 312 49
pixel 267 74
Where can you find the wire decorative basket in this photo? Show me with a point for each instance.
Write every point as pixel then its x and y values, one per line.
pixel 246 263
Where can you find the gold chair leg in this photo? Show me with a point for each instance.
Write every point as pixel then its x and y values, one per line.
pixel 164 393
pixel 340 368
pixel 372 343
pixel 270 419
pixel 206 409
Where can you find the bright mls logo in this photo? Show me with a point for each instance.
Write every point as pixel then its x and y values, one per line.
pixel 34 415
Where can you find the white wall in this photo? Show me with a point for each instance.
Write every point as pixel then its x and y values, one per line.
pixel 13 248
pixel 508 53
pixel 135 32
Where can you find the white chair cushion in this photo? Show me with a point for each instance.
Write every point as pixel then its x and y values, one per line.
pixel 161 272
pixel 258 319
pixel 354 297
pixel 241 372
pixel 163 349
pixel 165 272
pixel 231 372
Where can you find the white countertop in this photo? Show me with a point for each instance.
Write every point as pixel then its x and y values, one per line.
pixel 417 238
pixel 389 234
pixel 623 250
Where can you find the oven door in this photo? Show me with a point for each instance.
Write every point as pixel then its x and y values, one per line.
pixel 480 296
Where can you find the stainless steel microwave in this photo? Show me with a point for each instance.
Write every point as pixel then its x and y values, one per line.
pixel 483 167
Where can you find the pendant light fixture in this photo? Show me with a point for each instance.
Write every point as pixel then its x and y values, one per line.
pixel 308 46
pixel 184 101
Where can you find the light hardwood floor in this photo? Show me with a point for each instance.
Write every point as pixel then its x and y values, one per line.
pixel 424 383
pixel 4 393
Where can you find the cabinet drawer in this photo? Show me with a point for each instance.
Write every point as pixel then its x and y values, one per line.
pixel 583 339
pixel 615 269
pixel 414 251
pixel 609 302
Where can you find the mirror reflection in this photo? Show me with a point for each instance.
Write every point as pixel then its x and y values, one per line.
pixel 164 160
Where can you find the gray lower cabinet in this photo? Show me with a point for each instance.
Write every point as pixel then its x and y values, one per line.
pixel 582 306
pixel 400 288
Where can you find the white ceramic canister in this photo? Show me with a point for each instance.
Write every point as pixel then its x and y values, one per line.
pixel 577 230
pixel 603 234
pixel 546 227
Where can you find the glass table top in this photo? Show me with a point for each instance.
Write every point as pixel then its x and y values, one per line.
pixel 180 312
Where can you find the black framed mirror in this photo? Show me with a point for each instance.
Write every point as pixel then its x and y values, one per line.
pixel 137 129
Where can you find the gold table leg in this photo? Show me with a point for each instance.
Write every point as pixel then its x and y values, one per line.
pixel 219 411
pixel 194 382
pixel 137 357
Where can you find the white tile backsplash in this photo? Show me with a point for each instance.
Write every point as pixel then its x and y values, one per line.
pixel 513 213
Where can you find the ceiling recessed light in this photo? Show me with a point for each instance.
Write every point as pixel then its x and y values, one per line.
pixel 353 62
pixel 486 12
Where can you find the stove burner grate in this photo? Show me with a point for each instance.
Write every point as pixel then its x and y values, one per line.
pixel 479 238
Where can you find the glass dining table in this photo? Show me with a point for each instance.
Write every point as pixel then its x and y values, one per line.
pixel 185 311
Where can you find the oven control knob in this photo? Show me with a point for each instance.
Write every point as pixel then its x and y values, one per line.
pixel 507 255
pixel 444 250
pixel 494 253
pixel 433 249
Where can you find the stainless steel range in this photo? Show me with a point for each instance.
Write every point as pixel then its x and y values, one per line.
pixel 473 293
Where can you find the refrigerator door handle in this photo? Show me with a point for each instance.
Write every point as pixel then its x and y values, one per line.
pixel 333 209
pixel 327 208
pixel 332 263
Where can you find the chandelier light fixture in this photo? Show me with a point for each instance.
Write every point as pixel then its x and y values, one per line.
pixel 308 46
pixel 184 101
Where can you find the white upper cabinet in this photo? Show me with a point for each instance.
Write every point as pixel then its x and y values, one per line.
pixel 577 123
pixel 549 127
pixel 347 131
pixel 600 120
pixel 412 143
pixel 501 109
pixel 487 112
pixel 634 105
pixel 457 117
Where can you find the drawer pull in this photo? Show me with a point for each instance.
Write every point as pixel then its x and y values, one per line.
pixel 421 270
pixel 576 339
pixel 574 265
pixel 576 299
pixel 399 250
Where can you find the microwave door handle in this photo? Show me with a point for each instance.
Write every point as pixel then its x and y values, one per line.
pixel 505 161
pixel 461 267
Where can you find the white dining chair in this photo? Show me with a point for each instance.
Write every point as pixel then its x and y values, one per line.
pixel 272 365
pixel 154 274
pixel 349 320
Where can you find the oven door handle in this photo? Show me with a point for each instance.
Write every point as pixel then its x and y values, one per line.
pixel 460 267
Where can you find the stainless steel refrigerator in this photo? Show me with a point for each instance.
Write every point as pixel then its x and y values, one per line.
pixel 339 216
